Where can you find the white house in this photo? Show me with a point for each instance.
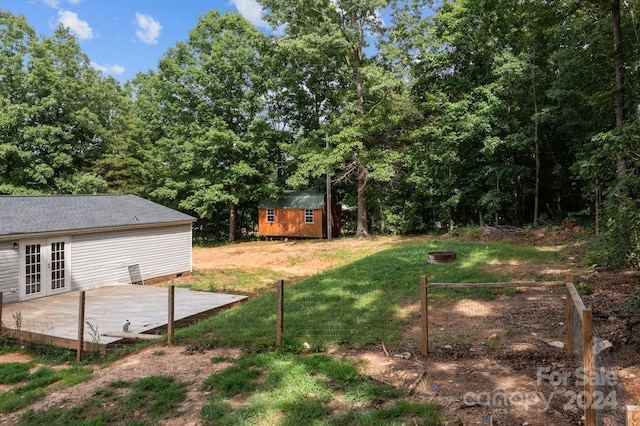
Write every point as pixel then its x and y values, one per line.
pixel 59 243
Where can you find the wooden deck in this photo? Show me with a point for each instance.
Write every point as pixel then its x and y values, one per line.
pixel 54 319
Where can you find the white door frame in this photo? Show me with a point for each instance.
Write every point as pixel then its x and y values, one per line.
pixel 48 267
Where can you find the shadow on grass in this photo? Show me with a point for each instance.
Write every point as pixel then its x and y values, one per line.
pixel 290 389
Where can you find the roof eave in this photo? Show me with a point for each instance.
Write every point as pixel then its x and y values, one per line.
pixel 83 231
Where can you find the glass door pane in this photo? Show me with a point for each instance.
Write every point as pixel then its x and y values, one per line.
pixel 33 270
pixel 57 266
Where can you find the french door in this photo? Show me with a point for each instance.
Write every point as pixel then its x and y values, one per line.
pixel 44 267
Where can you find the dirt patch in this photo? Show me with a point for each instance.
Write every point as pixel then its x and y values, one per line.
pixel 297 258
pixel 15 357
pixel 184 364
pixel 466 363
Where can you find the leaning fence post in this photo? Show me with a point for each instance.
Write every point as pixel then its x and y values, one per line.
pixel 170 313
pixel 424 317
pixel 589 368
pixel 569 307
pixel 280 312
pixel 81 305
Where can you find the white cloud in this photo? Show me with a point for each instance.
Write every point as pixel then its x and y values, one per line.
pixel 55 3
pixel 148 29
pixel 78 27
pixel 107 68
pixel 252 12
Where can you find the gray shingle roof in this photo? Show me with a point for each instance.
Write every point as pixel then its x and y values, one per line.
pixel 26 214
pixel 295 200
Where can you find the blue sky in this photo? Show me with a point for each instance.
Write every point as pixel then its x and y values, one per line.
pixel 124 37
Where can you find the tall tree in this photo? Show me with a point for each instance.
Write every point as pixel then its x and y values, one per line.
pixel 56 120
pixel 16 40
pixel 209 96
pixel 123 164
pixel 337 34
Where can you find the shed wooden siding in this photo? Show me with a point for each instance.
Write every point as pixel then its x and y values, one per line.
pixel 9 272
pixel 104 258
pixel 290 223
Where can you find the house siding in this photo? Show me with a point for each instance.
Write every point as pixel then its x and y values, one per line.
pixel 104 258
pixel 9 272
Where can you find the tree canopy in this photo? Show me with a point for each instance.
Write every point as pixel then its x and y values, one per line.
pixel 425 115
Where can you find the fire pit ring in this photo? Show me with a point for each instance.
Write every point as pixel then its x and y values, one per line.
pixel 442 257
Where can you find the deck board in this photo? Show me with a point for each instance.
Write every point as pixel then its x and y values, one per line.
pixel 54 319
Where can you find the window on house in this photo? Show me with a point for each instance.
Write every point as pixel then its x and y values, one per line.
pixel 271 215
pixel 308 216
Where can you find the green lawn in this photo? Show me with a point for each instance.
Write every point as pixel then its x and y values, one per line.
pixel 361 302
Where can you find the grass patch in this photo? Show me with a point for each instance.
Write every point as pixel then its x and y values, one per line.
pixel 360 302
pixel 151 399
pixel 158 396
pixel 14 372
pixel 35 385
pixel 290 389
pixel 247 281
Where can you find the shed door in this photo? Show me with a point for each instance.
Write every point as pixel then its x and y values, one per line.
pixel 44 267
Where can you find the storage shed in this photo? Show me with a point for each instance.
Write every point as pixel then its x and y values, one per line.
pixel 60 243
pixel 298 214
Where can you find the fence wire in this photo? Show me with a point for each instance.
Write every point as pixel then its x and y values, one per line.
pixel 523 324
pixel 512 319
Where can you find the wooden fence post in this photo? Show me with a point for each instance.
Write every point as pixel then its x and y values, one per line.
pixel 424 317
pixel 170 314
pixel 81 306
pixel 633 415
pixel 280 312
pixel 569 312
pixel 589 368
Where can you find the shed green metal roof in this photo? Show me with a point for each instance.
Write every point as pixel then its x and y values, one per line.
pixel 308 199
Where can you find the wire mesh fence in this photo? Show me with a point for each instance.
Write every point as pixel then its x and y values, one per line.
pixel 529 322
pixel 497 320
pixel 525 325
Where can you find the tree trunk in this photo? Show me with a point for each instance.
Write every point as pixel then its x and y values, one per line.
pixel 233 213
pixel 536 141
pixel 362 229
pixel 619 66
pixel 618 54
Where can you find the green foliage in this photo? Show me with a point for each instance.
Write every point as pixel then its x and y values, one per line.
pixel 55 114
pixel 450 114
pixel 210 150
pixel 584 288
